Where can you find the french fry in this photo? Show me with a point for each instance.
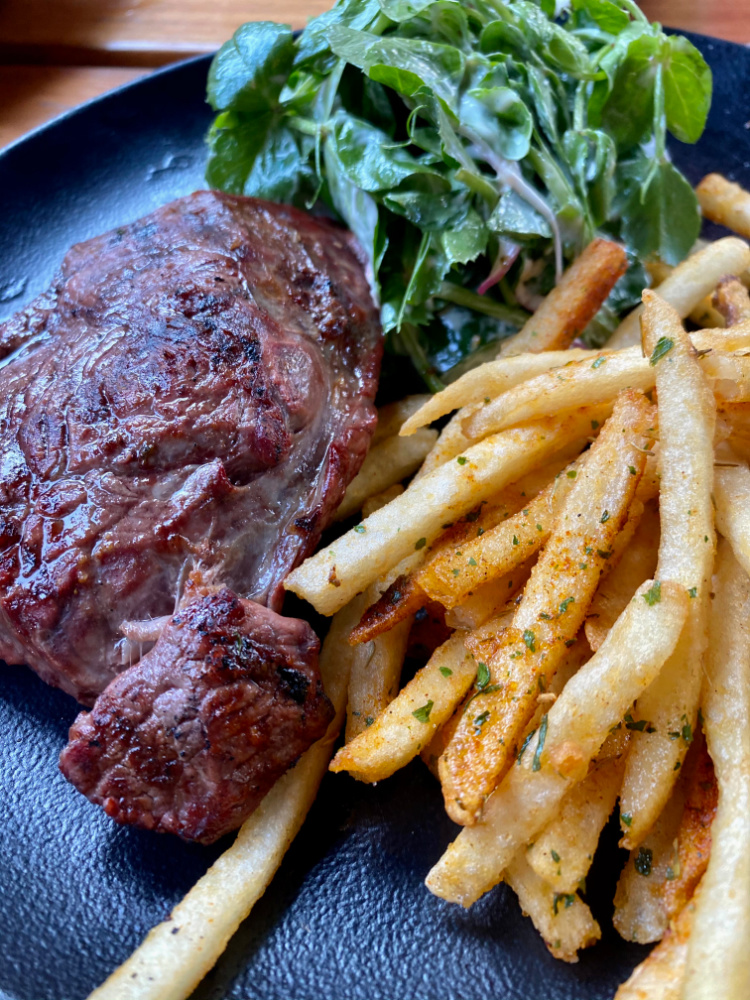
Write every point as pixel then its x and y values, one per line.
pixel 451 443
pixel 718 958
pixel 331 577
pixel 637 563
pixel 732 496
pixel 640 904
pixel 593 701
pixel 488 599
pixel 562 918
pixel 735 338
pixel 381 499
pixel 375 673
pixel 693 842
pixel 572 303
pixel 726 204
pixel 562 853
pixel 412 718
pixel 551 611
pixel 387 463
pixel 393 416
pixel 686 552
pixel 580 383
pixel 488 381
pixel 661 975
pixel 732 300
pixel 178 953
pixel 461 569
pixel 690 282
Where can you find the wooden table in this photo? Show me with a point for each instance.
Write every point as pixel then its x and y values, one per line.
pixel 54 54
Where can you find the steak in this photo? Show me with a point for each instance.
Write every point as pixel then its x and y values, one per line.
pixel 191 397
pixel 191 738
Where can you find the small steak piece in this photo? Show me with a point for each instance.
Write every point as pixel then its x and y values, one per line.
pixel 195 389
pixel 190 738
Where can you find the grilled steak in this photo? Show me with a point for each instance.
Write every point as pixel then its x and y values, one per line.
pixel 191 738
pixel 192 394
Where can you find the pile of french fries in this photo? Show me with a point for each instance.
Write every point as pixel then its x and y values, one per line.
pixel 563 527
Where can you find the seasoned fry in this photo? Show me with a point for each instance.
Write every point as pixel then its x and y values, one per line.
pixel 732 496
pixel 393 416
pixel 726 204
pixel 735 338
pixel 660 976
pixel 573 302
pixel 693 842
pixel 580 383
pixel 412 718
pixel 732 300
pixel 331 577
pixel 381 499
pixel 592 702
pixel 387 463
pixel 488 599
pixel 375 673
pixel 551 611
pixel 686 551
pixel 488 381
pixel 452 442
pixel 690 282
pixel 562 918
pixel 718 958
pixel 178 953
pixel 562 853
pixel 637 563
pixel 459 570
pixel 640 904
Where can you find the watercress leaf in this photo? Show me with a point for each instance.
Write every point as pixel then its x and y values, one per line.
pixel 628 112
pixel 279 167
pixel 687 89
pixel 249 71
pixel 499 117
pixel 502 37
pixel 313 47
pixel 350 44
pixel 429 206
pixel 448 20
pixel 515 217
pixel 592 156
pixel 544 102
pixel 233 144
pixel 370 159
pixel 357 208
pixel 660 213
pixel 437 66
pixel 604 14
pixel 403 10
pixel 466 241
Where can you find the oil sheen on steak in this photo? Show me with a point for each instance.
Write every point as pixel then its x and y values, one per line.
pixel 191 396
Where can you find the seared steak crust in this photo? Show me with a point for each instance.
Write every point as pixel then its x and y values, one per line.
pixel 190 738
pixel 194 390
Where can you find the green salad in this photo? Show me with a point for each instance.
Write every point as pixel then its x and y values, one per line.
pixel 473 147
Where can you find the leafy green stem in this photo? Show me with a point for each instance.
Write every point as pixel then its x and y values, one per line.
pixel 460 296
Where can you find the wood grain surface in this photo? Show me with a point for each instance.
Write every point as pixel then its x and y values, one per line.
pixel 55 54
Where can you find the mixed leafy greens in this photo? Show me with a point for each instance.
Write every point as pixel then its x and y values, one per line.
pixel 473 147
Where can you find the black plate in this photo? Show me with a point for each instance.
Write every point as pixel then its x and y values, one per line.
pixel 347 916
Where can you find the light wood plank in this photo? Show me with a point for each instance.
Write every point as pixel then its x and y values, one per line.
pixel 34 94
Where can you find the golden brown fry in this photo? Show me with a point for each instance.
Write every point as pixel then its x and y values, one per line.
pixel 732 496
pixel 178 953
pixel 387 463
pixel 488 599
pixel 637 563
pixel 563 851
pixel 693 841
pixel 399 603
pixel 562 918
pixel 688 284
pixel 573 302
pixel 732 300
pixel 592 702
pixel 410 721
pixel 393 416
pixel 661 975
pixel 381 499
pixel 686 552
pixel 718 959
pixel 726 204
pixel 331 577
pixel 461 569
pixel 375 673
pixel 551 611
pixel 488 381
pixel 580 383
pixel 734 338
